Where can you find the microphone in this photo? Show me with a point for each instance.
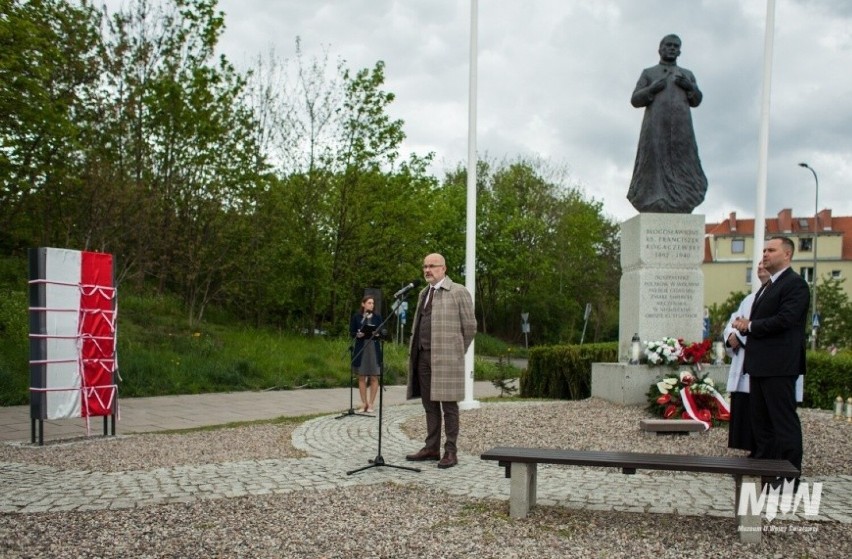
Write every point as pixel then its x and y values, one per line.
pixel 407 288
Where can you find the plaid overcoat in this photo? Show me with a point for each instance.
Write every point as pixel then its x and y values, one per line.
pixel 453 330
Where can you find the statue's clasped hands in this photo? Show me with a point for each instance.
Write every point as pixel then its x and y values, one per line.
pixel 684 83
pixel 658 85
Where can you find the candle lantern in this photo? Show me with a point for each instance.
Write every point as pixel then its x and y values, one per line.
pixel 635 349
pixel 838 408
pixel 849 409
pixel 719 351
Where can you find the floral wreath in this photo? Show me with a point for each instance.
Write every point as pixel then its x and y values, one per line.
pixel 684 395
pixel 687 396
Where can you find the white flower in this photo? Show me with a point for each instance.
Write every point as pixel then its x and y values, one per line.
pixel 708 381
pixel 663 387
pixel 671 381
pixel 685 374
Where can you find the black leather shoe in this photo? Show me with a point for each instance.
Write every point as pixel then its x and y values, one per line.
pixel 780 483
pixel 422 455
pixel 448 461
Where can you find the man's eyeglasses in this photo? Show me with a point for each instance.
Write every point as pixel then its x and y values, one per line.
pixel 430 266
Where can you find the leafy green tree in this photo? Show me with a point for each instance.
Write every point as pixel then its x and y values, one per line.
pixel 381 206
pixel 527 215
pixel 447 207
pixel 294 105
pixel 186 149
pixel 589 269
pixel 835 313
pixel 48 75
pixel 344 206
pixel 720 313
pixel 518 244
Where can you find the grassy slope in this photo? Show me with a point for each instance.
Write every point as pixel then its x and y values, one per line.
pixel 159 354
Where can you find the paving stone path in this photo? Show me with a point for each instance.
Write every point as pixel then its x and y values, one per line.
pixel 337 446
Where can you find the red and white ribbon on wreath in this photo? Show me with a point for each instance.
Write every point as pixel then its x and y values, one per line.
pixel 704 415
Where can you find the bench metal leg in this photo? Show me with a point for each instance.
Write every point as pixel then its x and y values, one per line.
pixel 749 523
pixel 522 489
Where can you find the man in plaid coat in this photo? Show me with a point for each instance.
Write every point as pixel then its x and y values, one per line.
pixel 444 327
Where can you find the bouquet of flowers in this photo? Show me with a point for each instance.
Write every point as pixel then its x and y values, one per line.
pixel 673 352
pixel 663 352
pixel 696 353
pixel 687 396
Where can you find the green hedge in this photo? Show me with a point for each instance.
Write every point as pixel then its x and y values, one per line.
pixel 828 377
pixel 14 347
pixel 564 371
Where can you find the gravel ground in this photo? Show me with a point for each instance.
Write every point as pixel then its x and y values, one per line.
pixel 392 521
pixel 594 424
pixel 143 452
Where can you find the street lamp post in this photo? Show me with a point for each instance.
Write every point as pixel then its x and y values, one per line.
pixel 816 234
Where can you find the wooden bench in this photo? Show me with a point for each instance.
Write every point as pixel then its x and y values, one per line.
pixel 520 464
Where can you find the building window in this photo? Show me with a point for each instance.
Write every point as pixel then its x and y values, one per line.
pixel 806 244
pixel 737 246
pixel 835 274
pixel 807 273
pixel 748 275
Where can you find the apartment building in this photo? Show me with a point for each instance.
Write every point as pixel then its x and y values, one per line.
pixel 729 249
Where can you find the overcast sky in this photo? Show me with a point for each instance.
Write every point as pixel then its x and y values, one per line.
pixel 555 80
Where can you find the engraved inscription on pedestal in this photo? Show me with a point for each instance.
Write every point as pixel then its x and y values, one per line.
pixel 670 295
pixel 673 246
pixel 662 241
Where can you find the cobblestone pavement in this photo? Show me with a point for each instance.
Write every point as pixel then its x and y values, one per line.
pixel 338 446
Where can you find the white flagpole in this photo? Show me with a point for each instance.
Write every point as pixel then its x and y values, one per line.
pixel 763 145
pixel 470 230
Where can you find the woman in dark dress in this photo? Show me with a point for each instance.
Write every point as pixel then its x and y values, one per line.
pixel 366 351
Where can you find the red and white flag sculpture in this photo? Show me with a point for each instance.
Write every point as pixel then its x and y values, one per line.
pixel 72 334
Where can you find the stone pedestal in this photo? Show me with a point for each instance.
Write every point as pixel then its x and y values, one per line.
pixel 662 285
pixel 661 295
pixel 628 384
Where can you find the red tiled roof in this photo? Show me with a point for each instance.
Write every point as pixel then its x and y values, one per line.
pixel 745 228
pixel 844 225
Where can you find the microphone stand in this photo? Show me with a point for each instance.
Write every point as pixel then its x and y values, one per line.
pixel 351 411
pixel 379 459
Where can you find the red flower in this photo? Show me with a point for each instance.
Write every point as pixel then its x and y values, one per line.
pixel 664 399
pixel 695 352
pixel 670 411
pixel 685 415
pixel 704 415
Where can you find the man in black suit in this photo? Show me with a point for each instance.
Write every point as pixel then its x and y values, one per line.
pixel 776 354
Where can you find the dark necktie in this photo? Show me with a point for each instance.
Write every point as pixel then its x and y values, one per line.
pixel 429 296
pixel 763 289
pixel 760 292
